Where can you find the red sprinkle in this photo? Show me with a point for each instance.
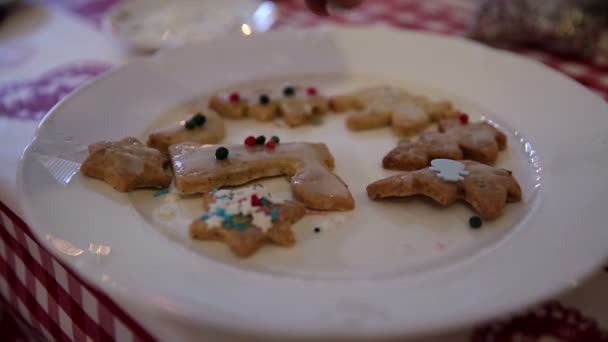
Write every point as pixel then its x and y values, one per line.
pixel 255 201
pixel 312 91
pixel 271 144
pixel 234 97
pixel 464 118
pixel 250 141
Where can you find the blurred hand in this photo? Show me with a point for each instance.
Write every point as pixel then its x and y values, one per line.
pixel 320 6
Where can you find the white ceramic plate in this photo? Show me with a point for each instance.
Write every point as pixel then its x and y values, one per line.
pixel 389 268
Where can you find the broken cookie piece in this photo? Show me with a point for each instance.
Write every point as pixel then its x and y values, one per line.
pixel 476 141
pixel 201 128
pixel 126 165
pixel 198 169
pixel 487 189
pixel 246 219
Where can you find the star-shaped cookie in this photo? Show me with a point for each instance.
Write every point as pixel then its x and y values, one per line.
pixel 126 165
pixel 245 227
pixel 485 188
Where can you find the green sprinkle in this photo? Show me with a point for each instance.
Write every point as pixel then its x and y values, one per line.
pixel 475 222
pixel 275 139
pixel 264 99
pixel 161 192
pixel 199 119
pixel 289 91
pixel 260 140
pixel 241 219
pixel 316 120
pixel 221 153
pixel 190 125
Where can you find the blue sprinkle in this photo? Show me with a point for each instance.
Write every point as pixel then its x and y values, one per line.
pixel 274 215
pixel 228 222
pixel 204 217
pixel 214 191
pixel 241 226
pixel 220 212
pixel 161 192
pixel 264 202
pixel 223 196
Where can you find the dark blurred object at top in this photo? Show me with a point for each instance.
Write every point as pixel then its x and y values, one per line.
pixel 570 27
pixel 5 7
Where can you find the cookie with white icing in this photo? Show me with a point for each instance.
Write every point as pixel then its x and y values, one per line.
pixel 246 219
pixel 197 170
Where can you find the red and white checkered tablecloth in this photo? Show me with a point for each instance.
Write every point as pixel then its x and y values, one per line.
pixel 46 295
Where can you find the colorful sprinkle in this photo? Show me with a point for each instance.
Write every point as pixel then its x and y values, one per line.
pixel 161 192
pixel 264 202
pixel 311 91
pixel 274 215
pixel 475 222
pixel 260 140
pixel 250 141
pixel 464 118
pixel 234 97
pixel 275 139
pixel 255 201
pixel 199 119
pixel 271 144
pixel 220 212
pixel 221 153
pixel 204 217
pixel 289 91
pixel 264 99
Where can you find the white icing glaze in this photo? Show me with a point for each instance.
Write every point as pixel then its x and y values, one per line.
pixel 448 169
pixel 261 220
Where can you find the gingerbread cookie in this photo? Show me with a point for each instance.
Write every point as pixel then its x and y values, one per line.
pixel 297 105
pixel 246 219
pixel 126 165
pixel 456 139
pixel 199 169
pixel 201 128
pixel 485 188
pixel 383 106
